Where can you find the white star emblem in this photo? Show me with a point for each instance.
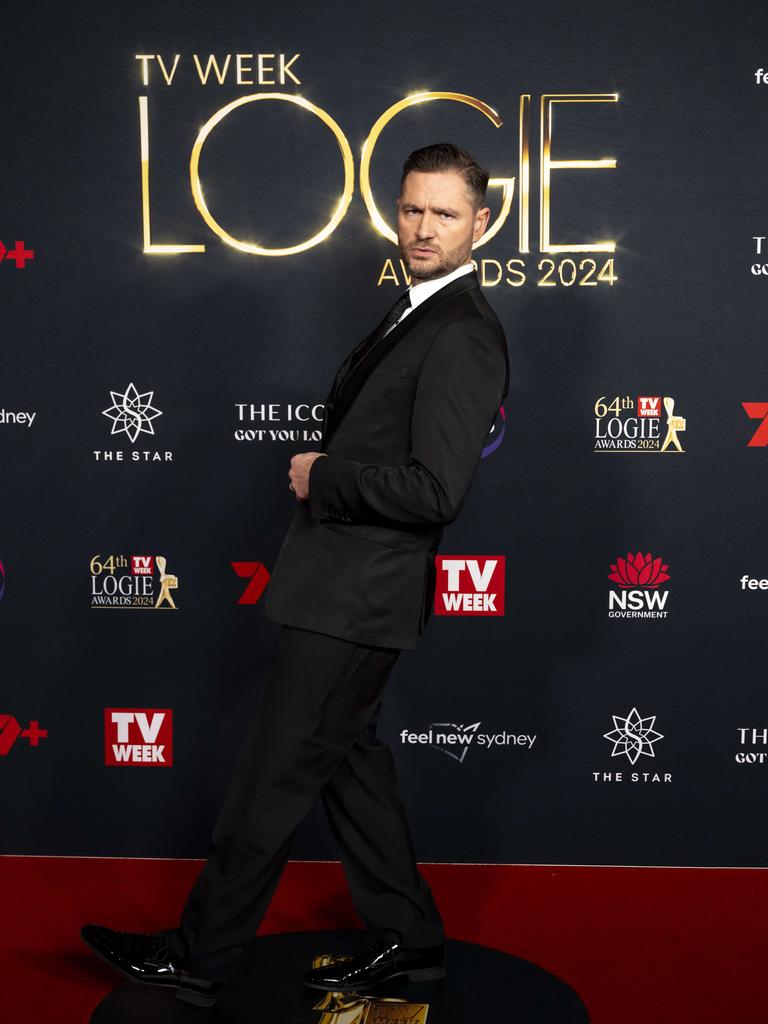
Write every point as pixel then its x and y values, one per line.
pixel 633 735
pixel 132 413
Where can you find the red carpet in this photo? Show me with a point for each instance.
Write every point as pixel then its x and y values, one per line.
pixel 639 945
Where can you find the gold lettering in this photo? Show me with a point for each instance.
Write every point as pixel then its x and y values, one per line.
pixel 388 273
pixel 145 58
pixel 484 264
pixel 517 267
pixel 166 75
pixel 252 247
pixel 264 70
pixel 286 68
pixel 524 168
pixel 241 70
pixel 507 184
pixel 163 250
pixel 212 62
pixel 548 164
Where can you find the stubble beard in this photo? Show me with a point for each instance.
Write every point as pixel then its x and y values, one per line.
pixel 447 262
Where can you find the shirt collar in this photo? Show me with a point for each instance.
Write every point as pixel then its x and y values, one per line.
pixel 421 291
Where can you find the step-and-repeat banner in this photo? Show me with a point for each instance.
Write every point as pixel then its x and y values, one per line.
pixel 197 214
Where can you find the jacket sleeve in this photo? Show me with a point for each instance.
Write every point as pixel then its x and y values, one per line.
pixel 460 387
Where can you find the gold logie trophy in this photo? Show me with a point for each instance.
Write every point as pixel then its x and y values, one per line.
pixel 351 1008
pixel 167 583
pixel 674 423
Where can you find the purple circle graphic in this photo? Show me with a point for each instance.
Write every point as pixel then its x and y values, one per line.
pixel 494 444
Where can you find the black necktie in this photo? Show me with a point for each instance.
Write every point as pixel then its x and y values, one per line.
pixel 392 317
pixel 394 314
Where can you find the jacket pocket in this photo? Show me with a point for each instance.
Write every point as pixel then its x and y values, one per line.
pixel 388 369
pixel 388 536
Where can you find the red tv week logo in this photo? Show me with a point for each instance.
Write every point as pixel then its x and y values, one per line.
pixel 142 736
pixel 10 731
pixel 757 411
pixel 142 565
pixel 649 405
pixel 469 585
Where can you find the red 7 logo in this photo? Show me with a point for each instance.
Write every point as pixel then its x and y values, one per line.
pixel 758 411
pixel 257 573
pixel 10 730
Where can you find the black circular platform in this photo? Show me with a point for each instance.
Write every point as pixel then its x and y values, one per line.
pixel 482 986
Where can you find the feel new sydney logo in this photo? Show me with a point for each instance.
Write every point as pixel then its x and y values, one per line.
pixel 456 740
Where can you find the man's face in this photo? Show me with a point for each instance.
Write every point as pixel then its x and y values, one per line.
pixel 436 224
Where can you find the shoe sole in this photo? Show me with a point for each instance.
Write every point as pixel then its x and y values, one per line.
pixel 195 998
pixel 426 974
pixel 184 995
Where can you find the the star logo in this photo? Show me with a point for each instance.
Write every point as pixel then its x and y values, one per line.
pixel 633 735
pixel 132 413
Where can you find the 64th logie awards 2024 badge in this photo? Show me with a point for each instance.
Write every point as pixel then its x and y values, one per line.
pixel 132 581
pixel 627 424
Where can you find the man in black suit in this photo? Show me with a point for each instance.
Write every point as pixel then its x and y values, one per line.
pixel 404 427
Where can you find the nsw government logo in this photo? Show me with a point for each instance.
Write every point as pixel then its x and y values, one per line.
pixel 132 581
pixel 634 737
pixel 639 577
pixel 469 585
pixel 138 736
pixel 626 424
pixel 132 414
pixel 456 740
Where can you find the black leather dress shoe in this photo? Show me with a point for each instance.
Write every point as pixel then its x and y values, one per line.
pixel 147 960
pixel 384 957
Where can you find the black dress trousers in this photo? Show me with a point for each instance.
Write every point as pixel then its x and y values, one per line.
pixel 314 735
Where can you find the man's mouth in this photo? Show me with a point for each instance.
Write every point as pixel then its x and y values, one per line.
pixel 419 250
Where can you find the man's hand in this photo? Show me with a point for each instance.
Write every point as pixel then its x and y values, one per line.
pixel 299 473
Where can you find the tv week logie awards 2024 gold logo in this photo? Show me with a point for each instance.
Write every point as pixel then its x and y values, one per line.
pixel 132 581
pixel 624 423
pixel 531 171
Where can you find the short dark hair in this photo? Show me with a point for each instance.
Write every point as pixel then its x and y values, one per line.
pixel 444 156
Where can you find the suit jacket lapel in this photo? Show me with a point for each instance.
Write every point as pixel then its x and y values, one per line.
pixel 385 345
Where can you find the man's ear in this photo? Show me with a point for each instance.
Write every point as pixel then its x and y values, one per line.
pixel 481 224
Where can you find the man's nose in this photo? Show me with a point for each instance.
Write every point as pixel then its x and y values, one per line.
pixel 425 227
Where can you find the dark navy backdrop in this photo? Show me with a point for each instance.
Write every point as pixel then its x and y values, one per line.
pixel 206 331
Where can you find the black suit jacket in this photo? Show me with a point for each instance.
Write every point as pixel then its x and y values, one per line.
pixel 358 559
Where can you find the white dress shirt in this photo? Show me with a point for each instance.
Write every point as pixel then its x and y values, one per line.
pixel 423 290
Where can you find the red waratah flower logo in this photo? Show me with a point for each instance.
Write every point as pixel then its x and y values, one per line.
pixel 639 571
